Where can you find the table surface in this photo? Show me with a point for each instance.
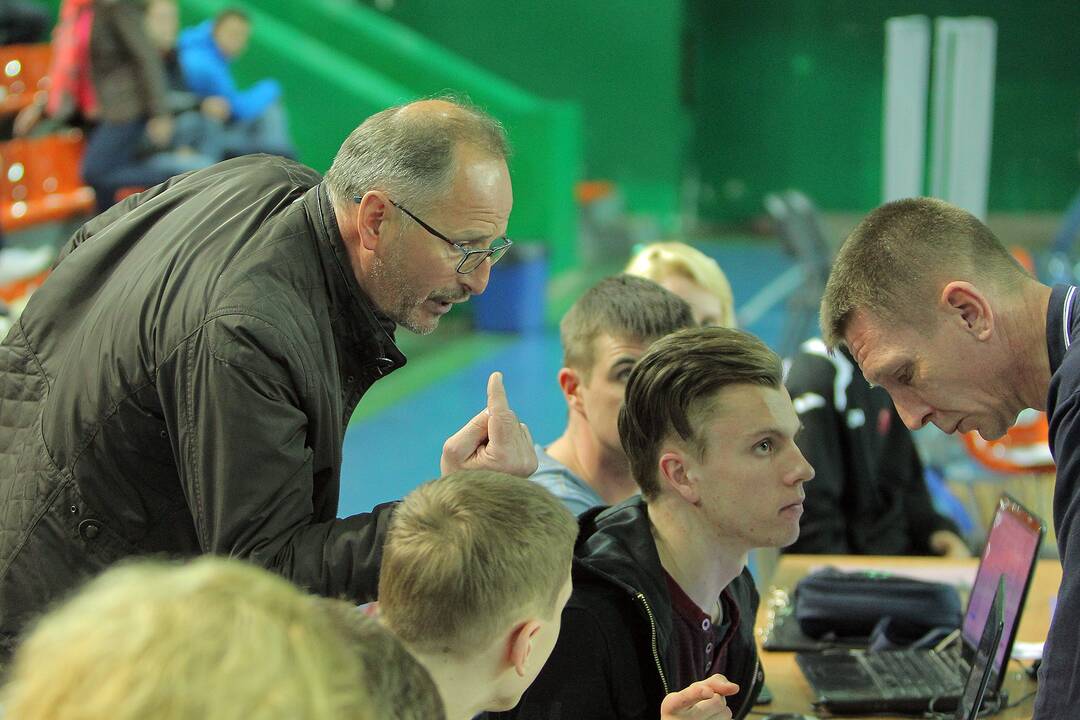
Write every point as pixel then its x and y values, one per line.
pixel 790 691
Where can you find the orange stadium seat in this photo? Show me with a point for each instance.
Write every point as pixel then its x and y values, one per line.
pixel 40 182
pixel 24 71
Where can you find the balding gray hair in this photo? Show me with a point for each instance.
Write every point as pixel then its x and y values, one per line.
pixel 410 153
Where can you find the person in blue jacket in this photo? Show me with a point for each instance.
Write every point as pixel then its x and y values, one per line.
pixel 256 117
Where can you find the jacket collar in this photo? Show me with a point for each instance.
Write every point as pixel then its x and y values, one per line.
pixel 616 544
pixel 363 332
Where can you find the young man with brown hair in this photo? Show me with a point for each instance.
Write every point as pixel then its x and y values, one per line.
pixel 935 310
pixel 662 598
pixel 475 575
pixel 603 335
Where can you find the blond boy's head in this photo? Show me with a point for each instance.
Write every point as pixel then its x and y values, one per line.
pixel 476 569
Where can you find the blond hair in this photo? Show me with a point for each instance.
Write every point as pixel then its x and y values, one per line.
pixel 896 261
pixel 399 686
pixel 664 259
pixel 467 553
pixel 213 639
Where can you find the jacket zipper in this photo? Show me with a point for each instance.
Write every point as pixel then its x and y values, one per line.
pixel 655 649
pixel 750 693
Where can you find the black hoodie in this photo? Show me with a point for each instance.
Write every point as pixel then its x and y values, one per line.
pixel 615 652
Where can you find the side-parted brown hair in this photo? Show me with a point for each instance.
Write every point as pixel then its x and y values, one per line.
pixel 467 553
pixel 671 389
pixel 896 261
pixel 400 688
pixel 625 307
pixel 212 639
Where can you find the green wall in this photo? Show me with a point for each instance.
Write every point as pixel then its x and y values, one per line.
pixel 789 94
pixel 618 60
pixel 339 62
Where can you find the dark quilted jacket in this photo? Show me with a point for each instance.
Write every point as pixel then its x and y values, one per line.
pixel 181 384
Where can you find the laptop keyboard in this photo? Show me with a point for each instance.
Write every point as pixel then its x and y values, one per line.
pixel 915 673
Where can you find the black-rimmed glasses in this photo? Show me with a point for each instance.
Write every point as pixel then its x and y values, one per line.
pixel 470 259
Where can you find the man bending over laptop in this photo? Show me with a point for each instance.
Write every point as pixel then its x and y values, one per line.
pixel 662 598
pixel 603 334
pixel 475 574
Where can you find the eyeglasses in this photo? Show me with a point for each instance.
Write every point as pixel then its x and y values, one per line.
pixel 470 259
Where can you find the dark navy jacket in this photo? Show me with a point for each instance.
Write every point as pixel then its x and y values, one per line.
pixel 1059 676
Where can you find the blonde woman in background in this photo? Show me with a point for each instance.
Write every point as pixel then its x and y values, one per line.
pixel 690 274
pixel 213 639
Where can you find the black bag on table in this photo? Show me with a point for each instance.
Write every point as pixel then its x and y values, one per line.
pixel 833 604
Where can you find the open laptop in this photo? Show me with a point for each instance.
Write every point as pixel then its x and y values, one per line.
pixel 919 680
pixel 982 667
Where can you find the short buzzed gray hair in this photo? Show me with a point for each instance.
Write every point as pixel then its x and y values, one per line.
pixel 895 263
pixel 411 154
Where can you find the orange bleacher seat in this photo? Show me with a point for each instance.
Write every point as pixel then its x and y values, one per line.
pixel 40 182
pixel 24 71
pixel 16 289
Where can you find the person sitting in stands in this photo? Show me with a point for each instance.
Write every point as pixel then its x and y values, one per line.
pixel 132 146
pixel 256 122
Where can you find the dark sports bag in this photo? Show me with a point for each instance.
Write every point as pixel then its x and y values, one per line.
pixel 831 604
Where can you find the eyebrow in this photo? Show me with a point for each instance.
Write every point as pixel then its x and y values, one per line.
pixel 476 237
pixel 889 368
pixel 773 430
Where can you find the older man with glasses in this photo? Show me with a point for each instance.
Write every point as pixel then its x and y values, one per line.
pixel 182 382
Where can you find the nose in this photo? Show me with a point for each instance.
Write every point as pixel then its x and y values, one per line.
pixel 915 414
pixel 476 281
pixel 803 471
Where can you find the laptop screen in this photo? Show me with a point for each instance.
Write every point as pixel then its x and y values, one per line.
pixel 1012 547
pixel 979 676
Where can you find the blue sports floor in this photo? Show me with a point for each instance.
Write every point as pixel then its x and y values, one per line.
pixel 392 450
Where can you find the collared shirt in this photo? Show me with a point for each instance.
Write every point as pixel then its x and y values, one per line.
pixel 1059 675
pixel 575 493
pixel 700 646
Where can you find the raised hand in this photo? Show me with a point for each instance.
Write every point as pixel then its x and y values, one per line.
pixel 492 440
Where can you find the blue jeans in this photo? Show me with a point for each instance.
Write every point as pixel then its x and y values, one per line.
pixel 267 133
pixel 114 159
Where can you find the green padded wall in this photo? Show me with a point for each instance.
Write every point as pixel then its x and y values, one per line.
pixel 619 60
pixel 341 61
pixel 789 94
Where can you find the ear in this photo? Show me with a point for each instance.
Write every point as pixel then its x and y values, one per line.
pixel 521 638
pixel 970 307
pixel 372 214
pixel 570 383
pixel 675 473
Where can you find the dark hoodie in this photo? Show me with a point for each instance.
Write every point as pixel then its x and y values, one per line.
pixel 616 651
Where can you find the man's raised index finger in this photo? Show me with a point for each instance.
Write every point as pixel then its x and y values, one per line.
pixel 497 401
